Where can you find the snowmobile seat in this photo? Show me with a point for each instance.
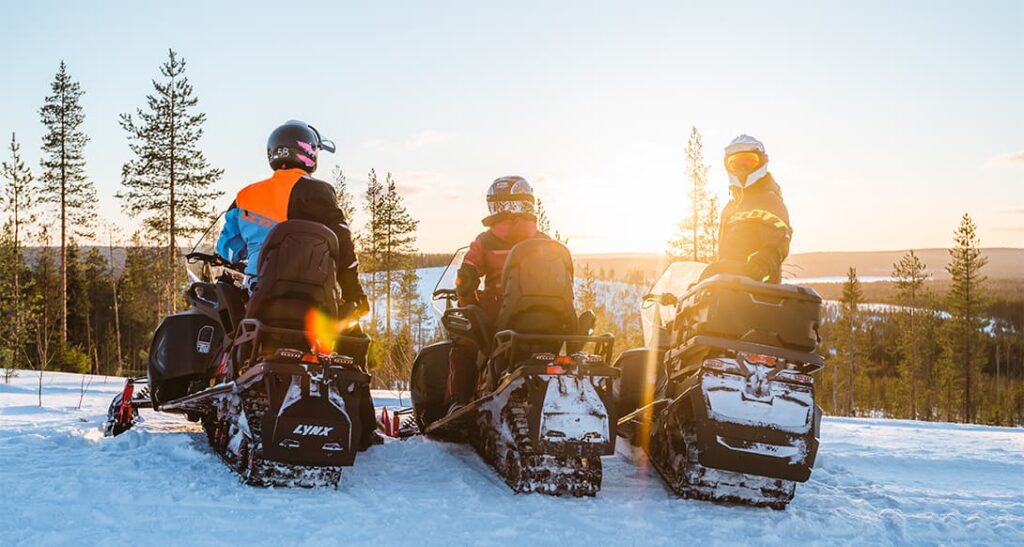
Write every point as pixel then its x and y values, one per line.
pixel 296 273
pixel 230 306
pixel 538 293
pixel 470 322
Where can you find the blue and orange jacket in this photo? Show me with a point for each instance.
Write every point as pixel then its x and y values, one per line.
pixel 288 194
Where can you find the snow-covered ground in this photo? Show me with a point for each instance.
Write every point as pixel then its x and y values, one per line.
pixel 876 482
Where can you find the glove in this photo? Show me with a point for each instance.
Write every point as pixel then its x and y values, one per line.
pixel 466 284
pixel 759 267
pixel 355 308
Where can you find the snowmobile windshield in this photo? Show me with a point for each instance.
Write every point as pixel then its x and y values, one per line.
pixel 199 271
pixel 658 308
pixel 446 282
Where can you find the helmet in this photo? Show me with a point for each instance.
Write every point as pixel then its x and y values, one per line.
pixel 296 145
pixel 509 196
pixel 745 161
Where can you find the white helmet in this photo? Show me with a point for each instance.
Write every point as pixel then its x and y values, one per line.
pixel 511 195
pixel 749 162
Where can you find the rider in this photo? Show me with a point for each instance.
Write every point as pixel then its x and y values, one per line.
pixel 754 233
pixel 291 193
pixel 512 219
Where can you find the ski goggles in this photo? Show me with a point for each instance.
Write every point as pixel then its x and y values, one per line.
pixel 743 163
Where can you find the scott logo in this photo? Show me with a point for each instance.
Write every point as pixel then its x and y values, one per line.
pixel 312 430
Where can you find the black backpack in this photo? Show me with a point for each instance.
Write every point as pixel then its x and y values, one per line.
pixel 296 272
pixel 538 289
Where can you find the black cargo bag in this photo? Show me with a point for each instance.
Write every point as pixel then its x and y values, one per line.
pixel 183 351
pixel 739 308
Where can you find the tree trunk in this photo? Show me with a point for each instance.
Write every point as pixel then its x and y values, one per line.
pixel 171 274
pixel 117 316
pixel 63 237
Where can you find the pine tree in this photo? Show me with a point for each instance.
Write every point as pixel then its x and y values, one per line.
pixel 397 244
pixel 544 224
pixel 586 290
pixel 18 205
pixel 964 338
pixel 169 183
pixel 46 301
pixel 698 237
pixel 849 335
pixel 371 240
pixel 909 273
pixel 64 184
pixel 345 200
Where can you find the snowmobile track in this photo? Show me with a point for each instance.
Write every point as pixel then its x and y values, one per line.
pixel 223 425
pixel 673 454
pixel 523 469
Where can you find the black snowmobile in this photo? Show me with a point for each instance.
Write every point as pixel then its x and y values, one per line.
pixel 278 412
pixel 542 417
pixel 722 398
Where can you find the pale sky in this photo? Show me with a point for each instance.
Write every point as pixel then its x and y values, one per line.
pixel 884 121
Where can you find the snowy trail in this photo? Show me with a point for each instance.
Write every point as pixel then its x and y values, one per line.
pixel 876 482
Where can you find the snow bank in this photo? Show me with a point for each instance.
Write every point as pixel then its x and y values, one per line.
pixel 876 482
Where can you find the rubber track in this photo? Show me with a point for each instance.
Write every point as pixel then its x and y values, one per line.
pixel 249 462
pixel 525 470
pixel 673 454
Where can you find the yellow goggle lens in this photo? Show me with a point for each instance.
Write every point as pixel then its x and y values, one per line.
pixel 743 162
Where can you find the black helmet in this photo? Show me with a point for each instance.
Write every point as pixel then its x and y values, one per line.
pixel 296 145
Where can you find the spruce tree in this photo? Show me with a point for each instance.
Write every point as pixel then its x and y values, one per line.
pixel 398 231
pixel 371 239
pixel 698 232
pixel 586 290
pixel 169 183
pixel 64 184
pixel 345 200
pixel 17 204
pixel 849 336
pixel 909 273
pixel 964 337
pixel 544 224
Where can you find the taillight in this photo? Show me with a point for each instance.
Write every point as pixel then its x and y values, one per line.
pixel 760 359
pixel 797 377
pixel 720 365
pixel 554 369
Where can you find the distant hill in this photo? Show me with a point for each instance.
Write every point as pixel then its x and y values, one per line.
pixel 1003 263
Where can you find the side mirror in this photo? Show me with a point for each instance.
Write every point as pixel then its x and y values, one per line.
pixel 665 299
pixel 587 322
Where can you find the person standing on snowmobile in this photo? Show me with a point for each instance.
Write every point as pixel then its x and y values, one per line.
pixel 754 231
pixel 512 219
pixel 291 193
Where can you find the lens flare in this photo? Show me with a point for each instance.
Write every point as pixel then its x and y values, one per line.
pixel 322 330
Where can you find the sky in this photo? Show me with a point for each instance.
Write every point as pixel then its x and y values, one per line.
pixel 884 122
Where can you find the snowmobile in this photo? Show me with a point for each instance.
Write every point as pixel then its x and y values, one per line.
pixel 721 398
pixel 542 416
pixel 276 403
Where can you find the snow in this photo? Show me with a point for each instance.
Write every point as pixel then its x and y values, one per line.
pixel 876 482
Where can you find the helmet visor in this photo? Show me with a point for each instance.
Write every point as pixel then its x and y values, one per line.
pixel 327 145
pixel 743 163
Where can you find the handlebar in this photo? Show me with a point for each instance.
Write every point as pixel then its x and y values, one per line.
pixel 214 260
pixel 444 294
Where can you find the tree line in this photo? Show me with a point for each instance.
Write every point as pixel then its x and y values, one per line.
pixel 95 309
pixel 949 357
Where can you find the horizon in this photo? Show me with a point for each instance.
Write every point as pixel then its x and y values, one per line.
pixel 911 102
